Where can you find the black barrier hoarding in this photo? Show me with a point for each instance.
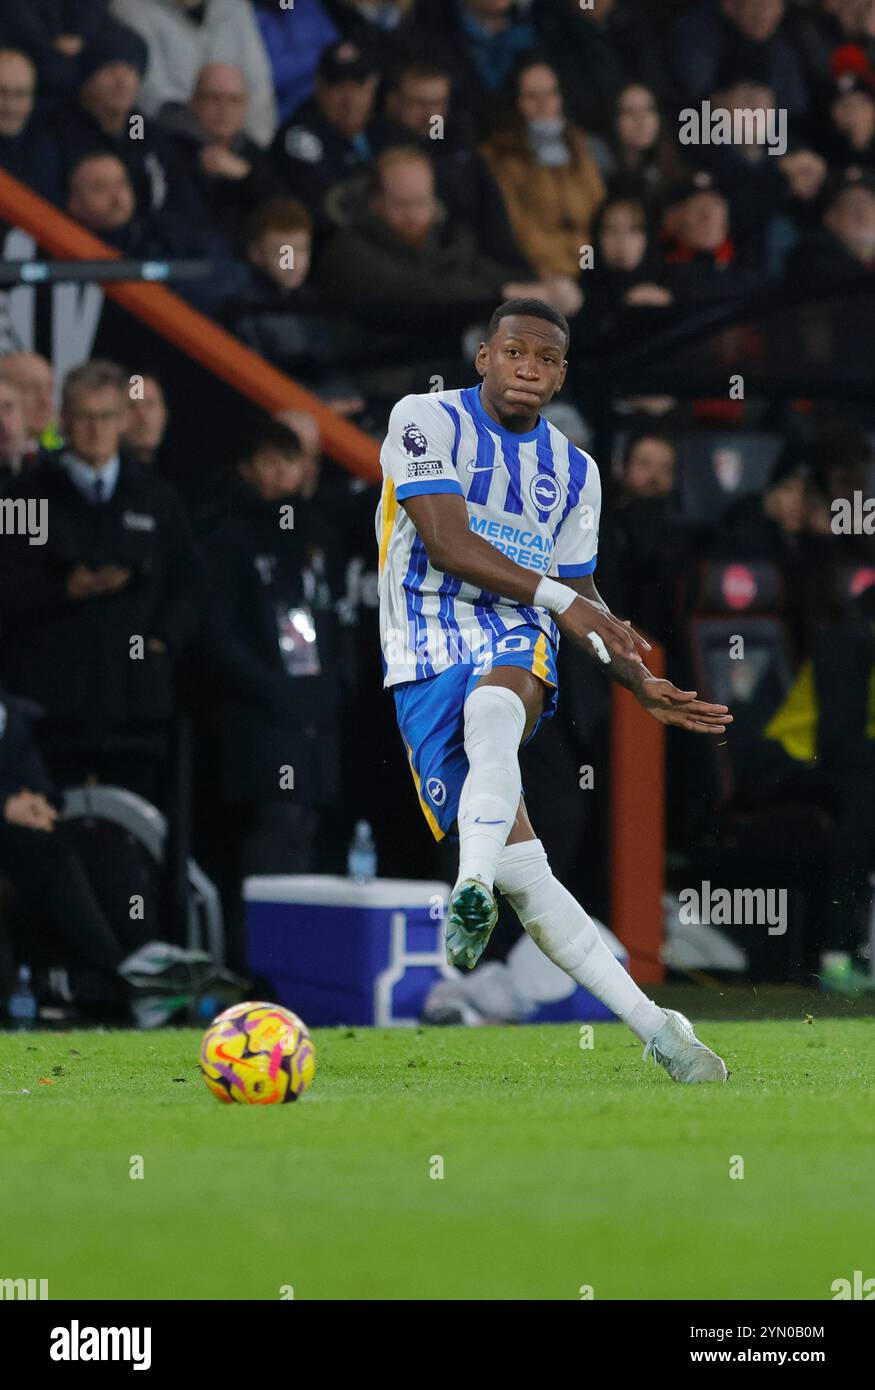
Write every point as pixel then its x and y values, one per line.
pixel 36 272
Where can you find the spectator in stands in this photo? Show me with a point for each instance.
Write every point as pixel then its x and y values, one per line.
pixel 105 120
pixel 334 495
pixel 184 35
pixel 102 198
pixel 599 51
pixel 281 314
pixel 295 39
pixel 851 134
pixel 273 634
pixel 701 261
pixel 417 107
pixel 420 109
pixel 638 158
pixel 145 422
pixel 780 526
pixel 546 173
pixel 375 22
pixel 402 253
pixel 745 170
pixel 329 139
pixel 33 376
pixel 481 41
pixel 306 427
pixel 843 248
pixel 649 467
pixel 734 34
pixel 229 171
pixel 94 620
pixel 13 436
pixel 55 37
pixel 772 524
pixel 842 459
pixel 324 482
pixel 836 36
pixel 27 149
pixel 270 314
pixel 626 270
pixel 842 455
pixel 647 543
pixel 804 172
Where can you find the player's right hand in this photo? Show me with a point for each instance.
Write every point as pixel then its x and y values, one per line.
pixel 584 617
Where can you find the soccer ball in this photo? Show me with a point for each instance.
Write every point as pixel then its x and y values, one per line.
pixel 257 1054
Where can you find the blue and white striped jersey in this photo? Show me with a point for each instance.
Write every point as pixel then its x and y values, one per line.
pixel 534 496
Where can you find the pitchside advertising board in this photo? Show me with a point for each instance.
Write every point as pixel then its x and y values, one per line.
pixel 71 324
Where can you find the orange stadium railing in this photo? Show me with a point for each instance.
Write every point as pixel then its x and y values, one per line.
pixel 192 332
pixel 638 829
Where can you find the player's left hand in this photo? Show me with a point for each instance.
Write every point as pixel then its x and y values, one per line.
pixel 681 708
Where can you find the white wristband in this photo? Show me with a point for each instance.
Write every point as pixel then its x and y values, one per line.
pixel 553 596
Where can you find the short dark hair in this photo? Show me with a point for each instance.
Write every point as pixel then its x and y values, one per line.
pixel 394 154
pixel 662 436
pixel 95 375
pixel 418 69
pixel 278 214
pixel 272 434
pixel 531 309
pixel 620 200
pixel 93 157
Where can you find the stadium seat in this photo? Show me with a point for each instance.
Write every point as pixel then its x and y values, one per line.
pixel 732 681
pixel 848 582
pixel 121 817
pixel 718 467
pixel 738 586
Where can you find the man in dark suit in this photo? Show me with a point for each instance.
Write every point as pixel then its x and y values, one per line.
pixel 96 612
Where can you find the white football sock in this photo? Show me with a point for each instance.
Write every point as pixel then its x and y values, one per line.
pixel 568 936
pixel 495 718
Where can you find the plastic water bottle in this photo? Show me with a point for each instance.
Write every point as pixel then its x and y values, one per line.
pixel 23 1010
pixel 361 862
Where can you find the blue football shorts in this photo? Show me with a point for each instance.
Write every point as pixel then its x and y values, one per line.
pixel 432 722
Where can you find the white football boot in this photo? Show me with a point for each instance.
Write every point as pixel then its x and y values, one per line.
pixel 677 1048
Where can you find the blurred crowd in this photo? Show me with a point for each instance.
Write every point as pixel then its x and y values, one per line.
pixel 368 178
pixel 445 155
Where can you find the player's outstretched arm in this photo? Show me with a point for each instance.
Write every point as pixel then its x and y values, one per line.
pixel 680 708
pixel 442 521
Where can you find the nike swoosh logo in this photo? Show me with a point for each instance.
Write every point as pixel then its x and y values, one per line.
pixel 228 1057
pixel 478 821
pixel 474 467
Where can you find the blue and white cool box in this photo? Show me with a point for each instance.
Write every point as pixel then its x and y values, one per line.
pixel 341 952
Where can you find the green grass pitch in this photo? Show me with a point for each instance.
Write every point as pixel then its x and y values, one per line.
pixel 563 1167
